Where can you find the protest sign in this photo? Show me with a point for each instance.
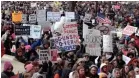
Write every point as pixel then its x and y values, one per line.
pixel 35 30
pixel 85 30
pixel 44 56
pixel 87 18
pixel 105 30
pixel 53 16
pixel 126 59
pixel 54 55
pixel 107 43
pixel 70 28
pixel 17 16
pixel 93 41
pixel 21 30
pixel 41 15
pixel 129 30
pixel 70 15
pixel 46 26
pixel 32 18
pixel 66 42
pixel 24 18
pixel 33 4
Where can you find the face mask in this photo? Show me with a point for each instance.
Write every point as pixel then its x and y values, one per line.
pixel 108 56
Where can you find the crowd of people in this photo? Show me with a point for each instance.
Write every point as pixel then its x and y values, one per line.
pixel 77 63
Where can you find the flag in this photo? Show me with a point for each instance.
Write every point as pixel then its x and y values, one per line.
pixel 102 19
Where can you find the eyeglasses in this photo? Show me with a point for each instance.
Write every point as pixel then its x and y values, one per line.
pixel 82 62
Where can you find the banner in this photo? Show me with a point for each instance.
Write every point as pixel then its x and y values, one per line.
pixel 21 30
pixel 93 41
pixel 70 15
pixel 24 18
pixel 129 30
pixel 53 16
pixel 32 18
pixel 87 18
pixel 17 16
pixel 54 55
pixel 35 31
pixel 44 56
pixel 107 43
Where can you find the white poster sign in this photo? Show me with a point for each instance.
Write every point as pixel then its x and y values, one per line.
pixel 70 15
pixel 107 43
pixel 44 56
pixel 32 18
pixel 35 31
pixel 126 59
pixel 24 18
pixel 129 30
pixel 93 41
pixel 41 16
pixel 85 30
pixel 53 16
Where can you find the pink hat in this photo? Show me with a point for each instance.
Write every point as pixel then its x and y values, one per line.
pixel 7 65
pixel 27 47
pixel 29 67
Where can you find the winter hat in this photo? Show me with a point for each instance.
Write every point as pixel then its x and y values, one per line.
pixel 93 66
pixel 102 75
pixel 29 67
pixel 27 47
pixel 7 65
pixel 102 65
pixel 79 60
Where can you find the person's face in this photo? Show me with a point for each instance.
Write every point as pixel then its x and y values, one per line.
pixel 135 63
pixel 46 45
pixel 126 69
pixel 22 45
pixel 9 69
pixel 119 57
pixel 36 68
pixel 115 63
pixel 117 74
pixel 81 71
pixel 19 53
pixel 93 71
pixel 105 69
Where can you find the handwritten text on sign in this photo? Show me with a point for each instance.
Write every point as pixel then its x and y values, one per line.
pixel 129 30
pixel 66 42
pixel 70 28
pixel 44 55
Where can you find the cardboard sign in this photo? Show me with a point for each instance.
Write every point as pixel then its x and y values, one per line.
pixel 93 41
pixel 24 18
pixel 32 18
pixel 35 31
pixel 54 55
pixel 17 17
pixel 87 18
pixel 21 30
pixel 44 55
pixel 70 15
pixel 107 43
pixel 53 16
pixel 129 30
pixel 33 4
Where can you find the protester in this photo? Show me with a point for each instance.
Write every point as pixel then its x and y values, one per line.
pixel 121 62
pixel 8 68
